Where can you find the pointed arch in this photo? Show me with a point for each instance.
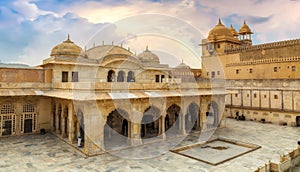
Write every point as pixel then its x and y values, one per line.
pixel 116 129
pixel 121 75
pixel 130 76
pixel 150 125
pixel 192 118
pixel 111 76
pixel 172 119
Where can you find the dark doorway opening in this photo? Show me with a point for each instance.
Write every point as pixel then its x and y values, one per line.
pixel 111 76
pixel 172 119
pixel 130 77
pixel 192 117
pixel 6 128
pixel 298 121
pixel 120 76
pixel 28 126
pixel 149 128
pixel 116 129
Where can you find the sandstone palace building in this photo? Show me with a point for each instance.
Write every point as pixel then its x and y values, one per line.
pixel 113 97
pixel 108 95
pixel 263 79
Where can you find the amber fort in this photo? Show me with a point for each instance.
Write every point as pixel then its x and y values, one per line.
pixel 116 99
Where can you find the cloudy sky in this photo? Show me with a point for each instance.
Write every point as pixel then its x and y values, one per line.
pixel 29 29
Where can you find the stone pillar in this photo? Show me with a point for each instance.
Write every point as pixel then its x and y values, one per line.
pixel 129 132
pixel 163 128
pixel 70 123
pixel 77 127
pixel 52 118
pixel 57 125
pixel 86 148
pixel 63 121
pixel 125 77
pixel 93 129
pixel 182 122
pixel 203 107
pixel 199 120
pixel 136 134
pixel 18 112
pixel 135 126
pixel 100 142
pixel 203 120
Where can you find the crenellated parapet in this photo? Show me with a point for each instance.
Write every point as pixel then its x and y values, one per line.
pixel 262 46
pixel 265 61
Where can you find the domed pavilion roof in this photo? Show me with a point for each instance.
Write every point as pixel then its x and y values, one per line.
pixel 148 56
pixel 233 31
pixel 182 66
pixel 66 49
pixel 245 29
pixel 219 30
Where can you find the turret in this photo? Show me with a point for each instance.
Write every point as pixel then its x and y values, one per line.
pixel 245 34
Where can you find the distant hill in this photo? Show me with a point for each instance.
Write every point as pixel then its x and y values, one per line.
pixel 14 65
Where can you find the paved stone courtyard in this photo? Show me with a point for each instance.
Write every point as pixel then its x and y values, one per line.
pixel 49 153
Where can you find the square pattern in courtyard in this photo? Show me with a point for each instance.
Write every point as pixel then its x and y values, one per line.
pixel 110 97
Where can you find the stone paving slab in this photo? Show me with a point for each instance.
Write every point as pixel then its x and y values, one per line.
pixel 49 153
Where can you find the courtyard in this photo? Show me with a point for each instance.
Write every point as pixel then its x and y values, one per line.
pixel 49 153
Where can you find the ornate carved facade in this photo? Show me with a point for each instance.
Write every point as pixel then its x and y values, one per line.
pixel 109 96
pixel 263 79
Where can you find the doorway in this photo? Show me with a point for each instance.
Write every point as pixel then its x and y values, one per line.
pixel 6 128
pixel 298 121
pixel 28 126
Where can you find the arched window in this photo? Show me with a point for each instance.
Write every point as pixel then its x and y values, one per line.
pixel 111 76
pixel 130 77
pixel 120 76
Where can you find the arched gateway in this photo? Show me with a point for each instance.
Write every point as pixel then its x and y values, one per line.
pixel 150 123
pixel 116 128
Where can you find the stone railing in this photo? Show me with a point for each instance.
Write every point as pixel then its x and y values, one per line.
pixel 102 86
pixel 264 61
pixel 263 46
pixel 287 162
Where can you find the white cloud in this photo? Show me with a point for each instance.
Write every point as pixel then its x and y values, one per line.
pixel 47 31
pixel 269 20
pixel 27 9
pixel 204 14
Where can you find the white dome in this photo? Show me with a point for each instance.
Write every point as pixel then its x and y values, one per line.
pixel 148 56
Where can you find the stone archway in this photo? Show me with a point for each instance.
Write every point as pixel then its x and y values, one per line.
pixel 111 76
pixel 121 75
pixel 212 115
pixel 172 119
pixel 192 118
pixel 116 129
pixel 150 126
pixel 130 76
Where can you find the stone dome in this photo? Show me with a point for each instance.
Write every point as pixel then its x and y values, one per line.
pixel 148 56
pixel 245 29
pixel 182 66
pixel 219 30
pixel 233 31
pixel 66 49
